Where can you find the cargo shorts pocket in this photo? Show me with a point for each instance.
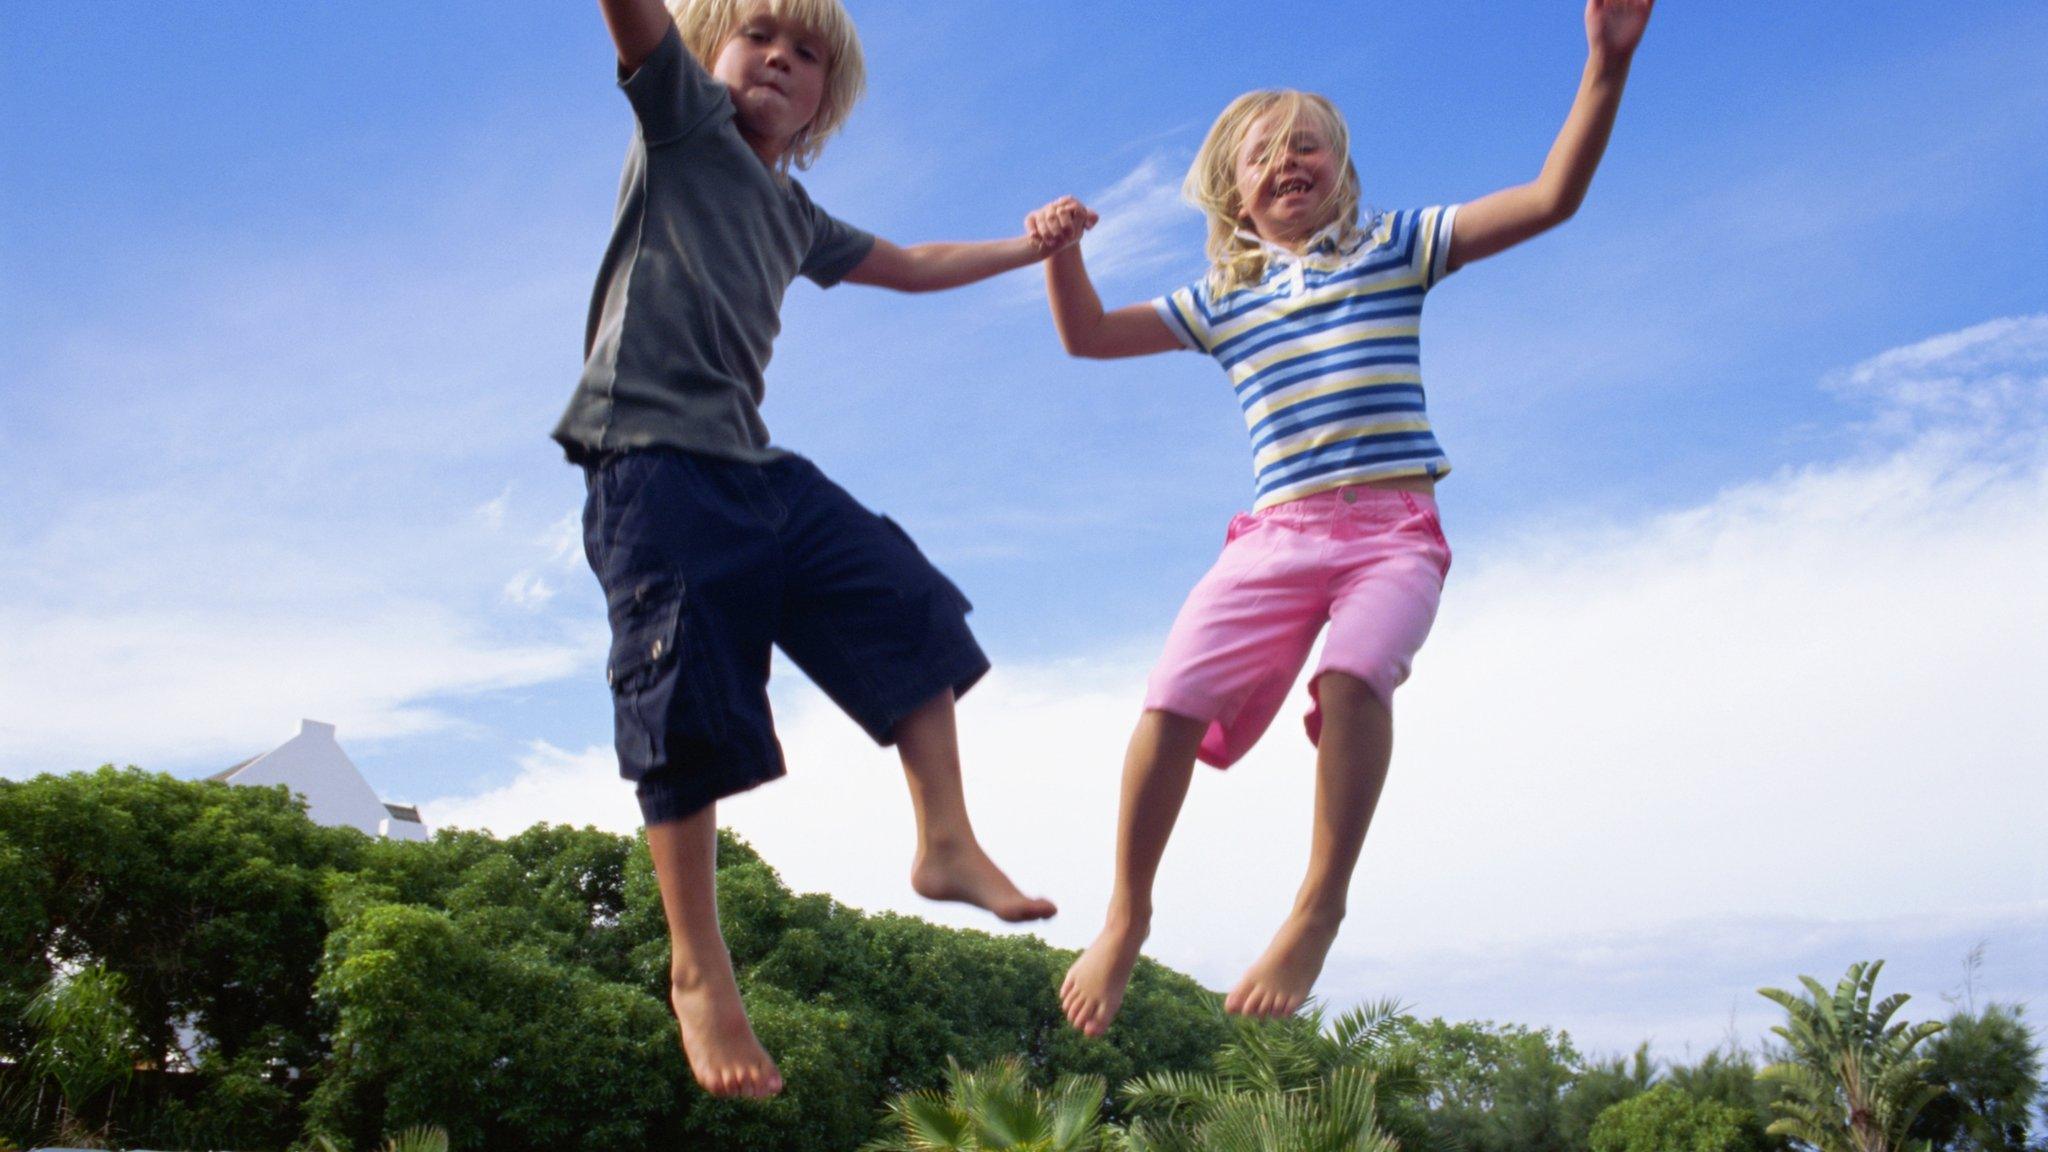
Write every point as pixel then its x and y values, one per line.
pixel 656 697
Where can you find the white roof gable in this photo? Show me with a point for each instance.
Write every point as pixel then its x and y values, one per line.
pixel 313 765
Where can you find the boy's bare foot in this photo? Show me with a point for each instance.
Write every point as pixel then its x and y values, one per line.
pixel 1094 988
pixel 719 1043
pixel 964 873
pixel 1278 984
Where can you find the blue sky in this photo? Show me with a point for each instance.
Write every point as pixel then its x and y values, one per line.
pixel 1749 502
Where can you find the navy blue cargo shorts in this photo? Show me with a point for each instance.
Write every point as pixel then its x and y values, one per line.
pixel 705 563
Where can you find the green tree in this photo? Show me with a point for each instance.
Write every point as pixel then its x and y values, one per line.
pixel 206 899
pixel 85 1044
pixel 997 1109
pixel 1289 1084
pixel 1509 1088
pixel 1600 1084
pixel 1853 1080
pixel 1730 1078
pixel 1668 1119
pixel 1989 1064
pixel 289 980
pixel 497 1042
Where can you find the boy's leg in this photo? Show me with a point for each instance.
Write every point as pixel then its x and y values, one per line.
pixel 720 1045
pixel 1351 768
pixel 950 863
pixel 1157 768
pixel 683 552
pixel 885 635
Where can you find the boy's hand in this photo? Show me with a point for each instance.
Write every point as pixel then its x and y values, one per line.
pixel 1615 27
pixel 1058 225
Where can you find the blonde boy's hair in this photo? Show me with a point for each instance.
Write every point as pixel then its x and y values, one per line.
pixel 706 25
pixel 1234 261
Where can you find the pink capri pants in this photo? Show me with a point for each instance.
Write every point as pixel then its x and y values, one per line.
pixel 1370 561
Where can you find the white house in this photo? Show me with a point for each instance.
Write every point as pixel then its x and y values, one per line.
pixel 313 765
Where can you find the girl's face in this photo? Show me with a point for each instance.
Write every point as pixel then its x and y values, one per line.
pixel 776 71
pixel 1287 200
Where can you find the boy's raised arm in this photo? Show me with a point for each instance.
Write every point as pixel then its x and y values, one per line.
pixel 637 27
pixel 931 267
pixel 1495 223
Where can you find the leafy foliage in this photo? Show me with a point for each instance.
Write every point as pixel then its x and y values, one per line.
pixel 1853 1080
pixel 1730 1078
pixel 85 1044
pixel 290 981
pixel 1668 1119
pixel 1507 1088
pixel 1990 1065
pixel 997 1109
pixel 1289 1084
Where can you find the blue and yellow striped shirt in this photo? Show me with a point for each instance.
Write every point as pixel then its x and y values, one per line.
pixel 1325 354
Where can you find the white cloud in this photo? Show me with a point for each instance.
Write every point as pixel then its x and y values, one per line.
pixel 189 685
pixel 1988 382
pixel 563 541
pixel 1145 227
pixel 527 590
pixel 492 513
pixel 1145 224
pixel 1809 701
pixel 350 519
pixel 553 785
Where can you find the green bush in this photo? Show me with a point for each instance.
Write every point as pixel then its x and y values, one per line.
pixel 1666 1119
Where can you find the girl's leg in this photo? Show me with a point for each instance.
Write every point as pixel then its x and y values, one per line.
pixel 1351 767
pixel 717 1039
pixel 1157 769
pixel 950 863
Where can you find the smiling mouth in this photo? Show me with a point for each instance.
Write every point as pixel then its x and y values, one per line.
pixel 1291 187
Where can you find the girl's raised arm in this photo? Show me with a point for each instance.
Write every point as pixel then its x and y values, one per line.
pixel 1495 223
pixel 1084 328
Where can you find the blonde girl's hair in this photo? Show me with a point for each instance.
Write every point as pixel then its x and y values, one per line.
pixel 1235 261
pixel 706 25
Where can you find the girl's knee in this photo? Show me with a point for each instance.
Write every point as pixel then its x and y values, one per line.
pixel 1335 690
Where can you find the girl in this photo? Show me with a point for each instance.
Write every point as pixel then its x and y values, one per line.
pixel 1314 313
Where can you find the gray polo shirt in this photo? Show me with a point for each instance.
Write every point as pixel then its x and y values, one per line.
pixel 689 298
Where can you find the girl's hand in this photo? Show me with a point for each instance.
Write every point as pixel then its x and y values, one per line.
pixel 1058 225
pixel 1615 27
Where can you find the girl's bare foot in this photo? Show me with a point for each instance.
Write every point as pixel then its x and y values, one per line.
pixel 718 1042
pixel 1278 984
pixel 1094 988
pixel 964 873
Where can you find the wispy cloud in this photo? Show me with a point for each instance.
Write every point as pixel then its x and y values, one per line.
pixel 492 513
pixel 552 784
pixel 353 517
pixel 1145 228
pixel 1989 382
pixel 1145 225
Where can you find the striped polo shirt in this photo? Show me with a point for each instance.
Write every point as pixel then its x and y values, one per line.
pixel 1325 354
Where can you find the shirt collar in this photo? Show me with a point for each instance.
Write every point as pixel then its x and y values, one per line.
pixel 1324 247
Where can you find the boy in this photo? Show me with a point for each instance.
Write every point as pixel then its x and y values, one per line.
pixel 710 544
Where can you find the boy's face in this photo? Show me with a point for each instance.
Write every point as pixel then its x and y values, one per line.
pixel 776 70
pixel 1287 199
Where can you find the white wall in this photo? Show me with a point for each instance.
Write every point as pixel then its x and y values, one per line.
pixel 313 765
